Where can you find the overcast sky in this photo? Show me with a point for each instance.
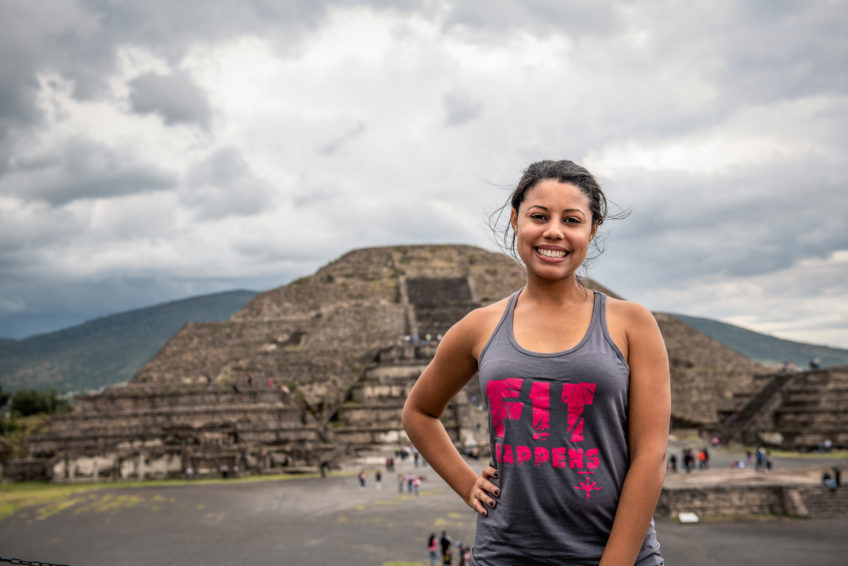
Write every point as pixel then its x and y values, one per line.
pixel 156 150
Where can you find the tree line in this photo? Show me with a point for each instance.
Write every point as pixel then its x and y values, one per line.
pixel 26 402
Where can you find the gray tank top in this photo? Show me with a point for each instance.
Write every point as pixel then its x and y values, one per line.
pixel 558 434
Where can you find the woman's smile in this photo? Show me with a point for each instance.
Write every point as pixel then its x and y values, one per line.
pixel 552 253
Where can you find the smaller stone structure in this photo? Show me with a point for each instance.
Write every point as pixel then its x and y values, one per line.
pixel 792 410
pixel 789 497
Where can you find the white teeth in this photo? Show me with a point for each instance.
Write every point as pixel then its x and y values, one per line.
pixel 551 253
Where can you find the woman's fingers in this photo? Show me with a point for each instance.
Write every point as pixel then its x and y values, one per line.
pixel 488 485
pixel 484 492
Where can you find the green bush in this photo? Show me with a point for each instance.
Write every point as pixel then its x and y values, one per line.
pixel 28 402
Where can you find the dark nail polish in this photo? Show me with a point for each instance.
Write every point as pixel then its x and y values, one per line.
pixel 497 492
pixel 491 503
pixel 495 474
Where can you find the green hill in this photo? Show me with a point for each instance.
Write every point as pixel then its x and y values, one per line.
pixel 764 348
pixel 107 350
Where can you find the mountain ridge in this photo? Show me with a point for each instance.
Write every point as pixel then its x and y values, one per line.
pixel 107 350
pixel 764 348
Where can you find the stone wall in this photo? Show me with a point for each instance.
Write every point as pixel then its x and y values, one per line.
pixel 721 501
pixel 727 501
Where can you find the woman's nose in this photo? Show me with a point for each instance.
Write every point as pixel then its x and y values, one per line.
pixel 553 231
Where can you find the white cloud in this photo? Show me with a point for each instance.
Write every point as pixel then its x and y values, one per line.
pixel 296 139
pixel 798 129
pixel 804 302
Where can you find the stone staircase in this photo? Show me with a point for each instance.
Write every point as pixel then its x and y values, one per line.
pixel 793 411
pixel 821 503
pixel 748 420
pixel 814 409
pixel 370 417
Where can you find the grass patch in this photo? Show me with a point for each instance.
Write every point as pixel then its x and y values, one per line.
pixel 739 517
pixel 810 455
pixel 14 497
pixel 832 455
pixel 54 498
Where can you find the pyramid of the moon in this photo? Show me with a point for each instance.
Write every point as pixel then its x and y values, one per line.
pixel 316 371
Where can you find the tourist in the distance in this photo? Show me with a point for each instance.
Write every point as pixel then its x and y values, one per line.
pixel 445 542
pixel 578 396
pixel 433 549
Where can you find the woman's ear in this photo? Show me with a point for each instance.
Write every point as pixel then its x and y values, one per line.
pixel 594 230
pixel 513 218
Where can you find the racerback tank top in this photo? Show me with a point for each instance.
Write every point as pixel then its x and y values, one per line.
pixel 558 435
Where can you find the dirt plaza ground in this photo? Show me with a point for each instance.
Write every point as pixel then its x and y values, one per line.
pixel 318 521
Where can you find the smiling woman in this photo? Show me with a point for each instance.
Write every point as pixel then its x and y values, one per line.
pixel 562 171
pixel 578 394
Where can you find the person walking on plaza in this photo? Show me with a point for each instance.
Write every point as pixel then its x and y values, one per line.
pixel 761 459
pixel 433 549
pixel 445 543
pixel 703 459
pixel 578 394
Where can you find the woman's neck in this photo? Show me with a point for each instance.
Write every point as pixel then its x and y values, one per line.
pixel 562 291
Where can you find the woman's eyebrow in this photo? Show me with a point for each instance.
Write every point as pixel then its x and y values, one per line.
pixel 545 208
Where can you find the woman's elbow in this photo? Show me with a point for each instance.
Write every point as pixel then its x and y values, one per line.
pixel 409 414
pixel 413 416
pixel 406 416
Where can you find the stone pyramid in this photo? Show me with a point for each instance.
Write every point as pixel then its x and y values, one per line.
pixel 316 371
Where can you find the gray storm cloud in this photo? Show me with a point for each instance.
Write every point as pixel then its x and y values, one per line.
pixel 82 169
pixel 175 97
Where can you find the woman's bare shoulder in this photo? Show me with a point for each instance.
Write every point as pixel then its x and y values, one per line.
pixel 628 313
pixel 494 310
pixel 628 323
pixel 477 326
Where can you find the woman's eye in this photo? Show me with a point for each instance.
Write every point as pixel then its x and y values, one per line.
pixel 537 216
pixel 572 220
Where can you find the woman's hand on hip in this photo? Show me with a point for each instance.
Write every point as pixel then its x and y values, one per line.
pixel 483 493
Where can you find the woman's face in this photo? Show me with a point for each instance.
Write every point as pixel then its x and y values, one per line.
pixel 553 227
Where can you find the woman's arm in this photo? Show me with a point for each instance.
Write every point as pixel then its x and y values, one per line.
pixel 648 422
pixel 451 368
